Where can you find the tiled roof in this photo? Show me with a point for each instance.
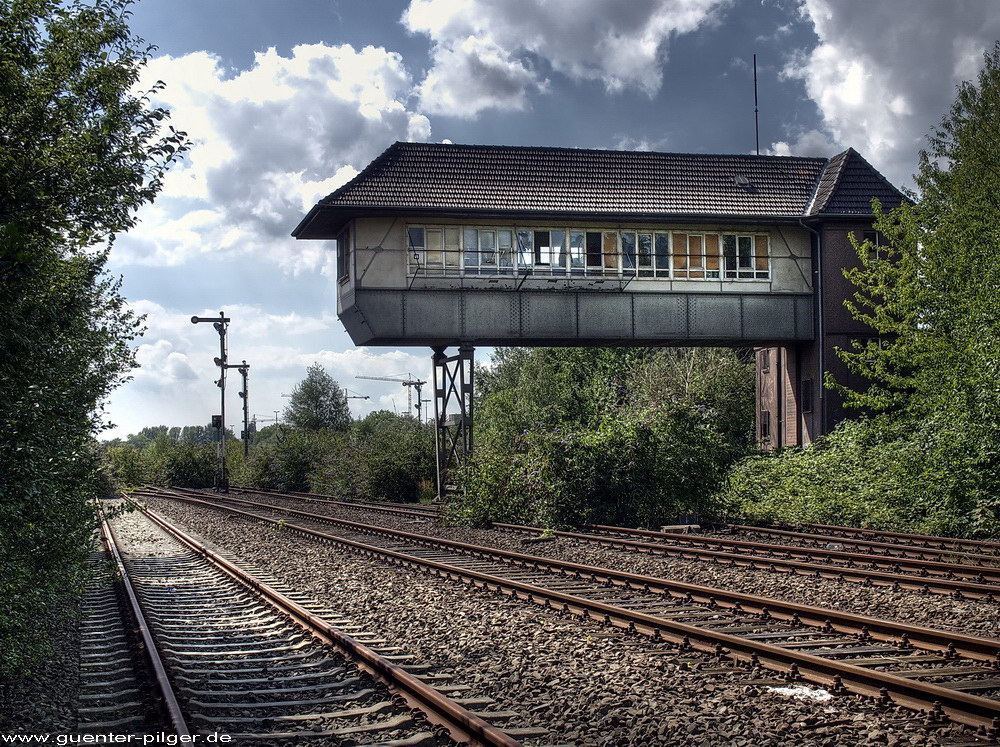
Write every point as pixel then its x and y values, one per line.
pixel 849 183
pixel 542 180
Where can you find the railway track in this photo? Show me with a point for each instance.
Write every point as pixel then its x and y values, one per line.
pixel 114 691
pixel 943 674
pixel 241 655
pixel 988 547
pixel 978 581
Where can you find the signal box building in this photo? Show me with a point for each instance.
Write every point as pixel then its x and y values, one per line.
pixel 463 245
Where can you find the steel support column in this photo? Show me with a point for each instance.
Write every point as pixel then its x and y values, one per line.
pixel 453 399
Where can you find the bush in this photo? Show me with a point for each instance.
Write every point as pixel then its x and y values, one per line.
pixel 925 478
pixel 647 467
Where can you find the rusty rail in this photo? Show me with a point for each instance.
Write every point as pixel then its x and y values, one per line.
pixel 972 710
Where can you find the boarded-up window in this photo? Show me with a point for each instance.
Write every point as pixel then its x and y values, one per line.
pixel 761 256
pixel 680 255
pixel 712 255
pixel 611 251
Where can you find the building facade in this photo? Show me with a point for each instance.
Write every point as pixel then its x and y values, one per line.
pixel 455 245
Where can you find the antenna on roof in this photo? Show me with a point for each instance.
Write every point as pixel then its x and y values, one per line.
pixel 756 124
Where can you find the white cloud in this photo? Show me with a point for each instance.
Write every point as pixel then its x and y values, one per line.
pixel 805 143
pixel 267 143
pixel 483 51
pixel 883 74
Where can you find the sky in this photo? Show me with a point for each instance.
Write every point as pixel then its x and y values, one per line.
pixel 286 100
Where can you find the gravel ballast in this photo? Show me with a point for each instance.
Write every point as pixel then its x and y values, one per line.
pixel 589 684
pixel 974 617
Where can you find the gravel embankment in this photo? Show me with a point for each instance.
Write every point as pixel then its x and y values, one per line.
pixel 932 610
pixel 588 684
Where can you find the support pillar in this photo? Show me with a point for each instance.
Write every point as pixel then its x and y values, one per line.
pixel 453 401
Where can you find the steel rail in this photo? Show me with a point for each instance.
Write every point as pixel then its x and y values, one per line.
pixel 462 724
pixel 982 574
pixel 888 546
pixel 989 565
pixel 391 508
pixel 929 583
pixel 931 540
pixel 840 676
pixel 164 690
pixel 985 649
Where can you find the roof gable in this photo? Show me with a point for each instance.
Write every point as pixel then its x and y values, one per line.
pixel 848 184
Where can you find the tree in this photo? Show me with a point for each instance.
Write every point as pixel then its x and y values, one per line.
pixel 318 402
pixel 80 152
pixel 924 456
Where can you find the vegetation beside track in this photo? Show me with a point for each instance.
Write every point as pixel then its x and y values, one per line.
pixel 82 151
pixel 925 457
pixel 615 436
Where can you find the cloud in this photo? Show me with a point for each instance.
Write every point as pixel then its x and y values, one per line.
pixel 883 74
pixel 805 143
pixel 483 51
pixel 267 143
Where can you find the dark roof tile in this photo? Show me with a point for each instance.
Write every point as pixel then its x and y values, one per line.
pixel 543 180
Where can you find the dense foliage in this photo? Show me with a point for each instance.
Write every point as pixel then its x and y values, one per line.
pixel 641 436
pixel 925 459
pixel 79 153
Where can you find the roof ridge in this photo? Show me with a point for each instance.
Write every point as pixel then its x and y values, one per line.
pixel 565 148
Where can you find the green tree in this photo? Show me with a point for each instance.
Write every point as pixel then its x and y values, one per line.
pixel 318 402
pixel 925 456
pixel 80 152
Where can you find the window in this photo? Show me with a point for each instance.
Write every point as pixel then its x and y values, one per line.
pixel 505 250
pixel 343 255
pixel 662 262
pixel 691 255
pixel 594 249
pixel 746 257
pixel 628 249
pixel 578 252
pixel 877 242
pixel 643 253
pixel 452 248
pixel 765 360
pixel 765 425
pixel 807 395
